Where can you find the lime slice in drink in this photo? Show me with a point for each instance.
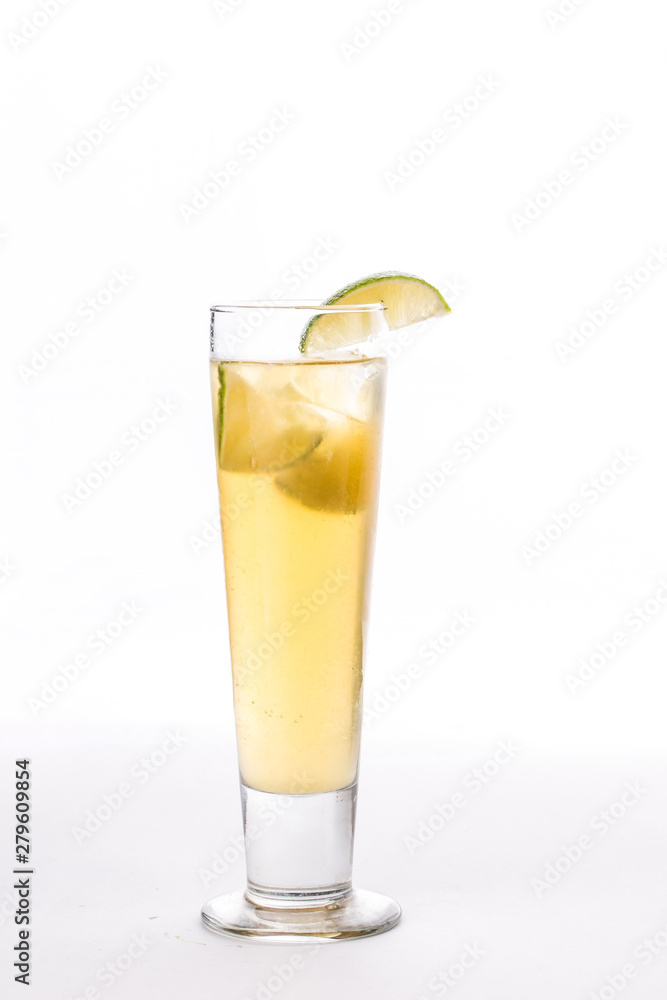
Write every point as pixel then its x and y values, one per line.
pixel 406 300
pixel 259 429
pixel 338 476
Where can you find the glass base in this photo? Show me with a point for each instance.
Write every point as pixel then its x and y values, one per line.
pixel 359 914
pixel 299 873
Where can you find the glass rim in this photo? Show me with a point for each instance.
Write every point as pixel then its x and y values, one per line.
pixel 305 305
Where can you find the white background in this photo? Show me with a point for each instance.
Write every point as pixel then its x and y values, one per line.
pixel 359 100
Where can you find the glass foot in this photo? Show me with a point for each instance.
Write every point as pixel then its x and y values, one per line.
pixel 360 914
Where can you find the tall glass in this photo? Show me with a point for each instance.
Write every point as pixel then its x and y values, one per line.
pixel 298 444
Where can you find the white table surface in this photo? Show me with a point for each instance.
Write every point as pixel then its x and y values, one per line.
pixel 470 885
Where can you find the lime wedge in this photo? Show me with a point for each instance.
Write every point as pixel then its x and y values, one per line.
pixel 259 429
pixel 339 475
pixel 406 300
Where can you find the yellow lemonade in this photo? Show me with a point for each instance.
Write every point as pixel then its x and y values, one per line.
pixel 298 455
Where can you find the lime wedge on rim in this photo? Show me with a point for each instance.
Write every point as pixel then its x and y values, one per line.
pixel 406 299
